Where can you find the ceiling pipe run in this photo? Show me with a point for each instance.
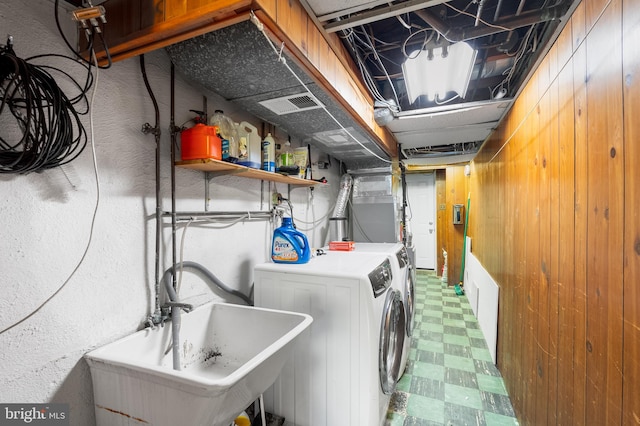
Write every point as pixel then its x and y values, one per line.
pixel 455 35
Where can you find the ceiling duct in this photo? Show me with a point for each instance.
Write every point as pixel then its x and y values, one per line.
pixel 238 63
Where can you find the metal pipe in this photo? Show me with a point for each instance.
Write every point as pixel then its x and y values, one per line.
pixel 520 7
pixel 480 7
pixel 172 125
pixel 498 9
pixel 230 215
pixel 146 128
pixel 403 181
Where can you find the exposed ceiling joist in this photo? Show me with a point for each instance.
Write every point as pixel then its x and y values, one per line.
pixel 380 14
pixel 505 24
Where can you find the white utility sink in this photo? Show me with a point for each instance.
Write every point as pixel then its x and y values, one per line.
pixel 230 354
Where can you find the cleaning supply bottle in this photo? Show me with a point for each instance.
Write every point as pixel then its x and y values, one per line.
pixel 286 155
pixel 250 146
pixel 289 245
pixel 269 153
pixel 228 134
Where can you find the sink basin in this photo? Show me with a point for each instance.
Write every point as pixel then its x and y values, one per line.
pixel 230 354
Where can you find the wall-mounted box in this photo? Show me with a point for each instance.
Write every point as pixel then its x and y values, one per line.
pixel 458 214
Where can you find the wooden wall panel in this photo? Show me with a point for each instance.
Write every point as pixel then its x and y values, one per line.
pixel 456 190
pixel 604 219
pixel 580 264
pixel 542 280
pixel 578 25
pixel 631 333
pixel 293 19
pixel 567 237
pixel 566 244
pixel 517 350
pixel 552 274
pixel 532 248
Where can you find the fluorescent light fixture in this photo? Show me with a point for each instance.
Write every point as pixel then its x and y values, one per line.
pixel 437 71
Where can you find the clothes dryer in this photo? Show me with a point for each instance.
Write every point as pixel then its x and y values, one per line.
pixel 345 367
pixel 404 282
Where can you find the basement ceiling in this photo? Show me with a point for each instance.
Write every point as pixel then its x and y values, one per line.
pixel 214 59
pixel 511 37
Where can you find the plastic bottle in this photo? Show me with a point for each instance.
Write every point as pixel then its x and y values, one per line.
pixel 242 420
pixel 269 153
pixel 289 245
pixel 300 159
pixel 286 155
pixel 249 146
pixel 228 134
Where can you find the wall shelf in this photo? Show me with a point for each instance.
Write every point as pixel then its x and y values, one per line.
pixel 223 167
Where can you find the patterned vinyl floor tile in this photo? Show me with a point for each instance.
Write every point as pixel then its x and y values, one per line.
pixel 450 378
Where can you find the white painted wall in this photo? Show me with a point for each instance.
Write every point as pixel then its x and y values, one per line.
pixel 46 219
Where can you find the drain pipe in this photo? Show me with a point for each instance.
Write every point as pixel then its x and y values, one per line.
pixel 211 280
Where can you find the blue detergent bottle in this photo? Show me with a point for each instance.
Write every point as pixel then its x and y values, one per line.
pixel 289 245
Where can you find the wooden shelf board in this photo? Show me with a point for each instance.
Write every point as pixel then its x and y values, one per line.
pixel 209 165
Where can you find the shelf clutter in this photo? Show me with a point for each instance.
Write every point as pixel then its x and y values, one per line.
pixel 224 167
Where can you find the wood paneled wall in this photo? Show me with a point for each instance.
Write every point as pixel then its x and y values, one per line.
pixel 556 188
pixel 452 187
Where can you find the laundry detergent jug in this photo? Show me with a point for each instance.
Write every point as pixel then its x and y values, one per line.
pixel 289 245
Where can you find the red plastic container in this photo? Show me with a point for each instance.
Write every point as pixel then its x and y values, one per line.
pixel 200 142
pixel 342 245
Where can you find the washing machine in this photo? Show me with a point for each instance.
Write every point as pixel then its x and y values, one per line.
pixel 404 282
pixel 346 365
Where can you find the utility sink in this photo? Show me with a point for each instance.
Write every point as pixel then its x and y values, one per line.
pixel 229 355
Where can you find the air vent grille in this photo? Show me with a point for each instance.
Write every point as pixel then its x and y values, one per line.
pixel 292 103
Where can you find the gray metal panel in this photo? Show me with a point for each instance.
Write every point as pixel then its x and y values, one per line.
pixel 449 117
pixel 324 7
pixel 375 223
pixel 445 136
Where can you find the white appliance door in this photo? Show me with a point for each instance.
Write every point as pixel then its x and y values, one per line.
pixel 421 195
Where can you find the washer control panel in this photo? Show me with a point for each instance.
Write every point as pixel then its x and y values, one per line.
pixel 380 278
pixel 403 257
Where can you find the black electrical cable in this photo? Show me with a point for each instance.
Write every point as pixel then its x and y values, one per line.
pixel 52 132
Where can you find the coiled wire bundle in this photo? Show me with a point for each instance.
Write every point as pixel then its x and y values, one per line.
pixel 39 125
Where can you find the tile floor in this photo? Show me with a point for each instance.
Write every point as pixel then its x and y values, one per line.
pixel 450 378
